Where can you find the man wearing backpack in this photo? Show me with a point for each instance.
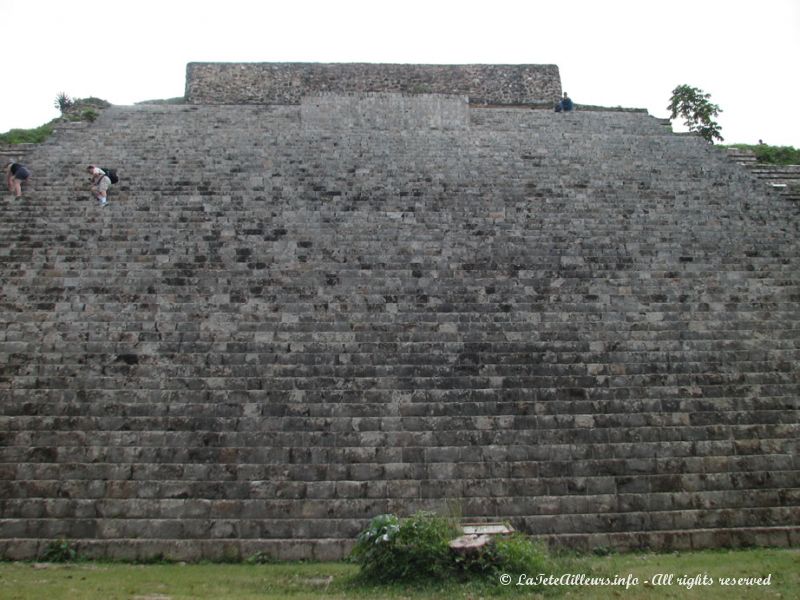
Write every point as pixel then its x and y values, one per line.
pixel 100 183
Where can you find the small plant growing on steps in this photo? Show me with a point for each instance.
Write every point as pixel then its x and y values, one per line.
pixel 89 115
pixel 59 551
pixel 63 102
pixel 260 558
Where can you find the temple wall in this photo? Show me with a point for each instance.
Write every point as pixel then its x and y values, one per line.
pixel 287 83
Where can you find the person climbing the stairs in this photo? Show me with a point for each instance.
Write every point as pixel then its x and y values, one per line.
pixel 100 183
pixel 16 175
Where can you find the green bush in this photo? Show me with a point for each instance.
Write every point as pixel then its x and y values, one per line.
pixel 92 101
pixel 777 155
pixel 63 102
pixel 89 115
pixel 515 554
pixel 773 155
pixel 519 554
pixel 416 548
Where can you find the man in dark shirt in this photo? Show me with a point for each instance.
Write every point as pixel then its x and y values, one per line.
pixel 566 103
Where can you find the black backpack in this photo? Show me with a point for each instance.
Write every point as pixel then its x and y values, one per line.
pixel 111 174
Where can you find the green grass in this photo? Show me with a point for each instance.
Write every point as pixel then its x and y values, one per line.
pixel 27 136
pixel 783 565
pixel 80 109
pixel 338 581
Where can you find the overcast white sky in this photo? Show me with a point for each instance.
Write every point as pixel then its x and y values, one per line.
pixel 745 53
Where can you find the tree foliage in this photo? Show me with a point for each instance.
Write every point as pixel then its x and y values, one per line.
pixel 697 111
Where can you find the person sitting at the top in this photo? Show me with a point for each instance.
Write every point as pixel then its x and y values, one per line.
pixel 16 175
pixel 565 104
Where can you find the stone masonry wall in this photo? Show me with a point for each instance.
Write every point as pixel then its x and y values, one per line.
pixel 282 326
pixel 287 83
pixel 385 111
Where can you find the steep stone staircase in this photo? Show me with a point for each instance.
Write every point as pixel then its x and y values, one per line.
pixel 276 330
pixel 785 179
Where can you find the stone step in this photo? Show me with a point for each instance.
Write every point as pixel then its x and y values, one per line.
pixel 478 420
pixel 194 550
pixel 365 463
pixel 215 517
pixel 546 401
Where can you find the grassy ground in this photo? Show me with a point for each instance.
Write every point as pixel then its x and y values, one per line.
pixel 300 581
